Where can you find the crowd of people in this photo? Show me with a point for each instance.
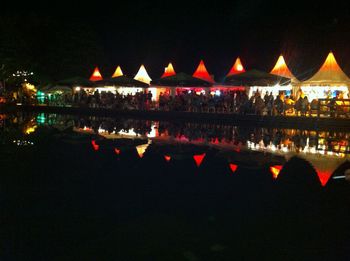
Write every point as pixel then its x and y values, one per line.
pixel 224 102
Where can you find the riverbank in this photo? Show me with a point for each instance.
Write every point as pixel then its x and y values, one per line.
pixel 222 118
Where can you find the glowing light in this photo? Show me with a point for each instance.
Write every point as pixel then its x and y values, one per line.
pixel 118 72
pixel 141 149
pixel 198 159
pixel 236 68
pixel 275 170
pixel 217 92
pixel 324 176
pixel 94 145
pixel 282 69
pixel 202 73
pixel 169 71
pixel 29 87
pixel 330 74
pixel 117 151
pixel 167 158
pixel 233 167
pixel 96 75
pixel 30 130
pixel 142 75
pixel 77 89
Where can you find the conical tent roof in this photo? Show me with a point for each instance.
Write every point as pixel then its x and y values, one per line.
pixel 142 75
pixel 96 75
pixel 256 78
pixel 118 72
pixel 122 81
pixel 183 80
pixel 169 71
pixel 202 73
pixel 282 69
pixel 236 68
pixel 330 73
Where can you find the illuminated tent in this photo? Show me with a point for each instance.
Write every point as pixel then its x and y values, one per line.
pixel 256 78
pixel 260 81
pixel 118 72
pixel 96 75
pixel 142 75
pixel 122 81
pixel 181 80
pixel 202 73
pixel 329 74
pixel 169 71
pixel 329 78
pixel 282 69
pixel 236 68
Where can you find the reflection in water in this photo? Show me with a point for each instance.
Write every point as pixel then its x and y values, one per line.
pixel 206 192
pixel 325 150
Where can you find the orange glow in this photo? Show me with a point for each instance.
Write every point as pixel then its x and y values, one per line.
pixel 233 167
pixel 330 73
pixel 142 75
pixel 96 75
pixel 169 71
pixel 118 72
pixel 236 68
pixel 202 73
pixel 167 158
pixel 281 68
pixel 117 151
pixel 324 176
pixel 94 145
pixel 198 159
pixel 330 64
pixel 275 170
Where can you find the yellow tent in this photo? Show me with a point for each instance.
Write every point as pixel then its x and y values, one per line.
pixel 118 72
pixel 330 77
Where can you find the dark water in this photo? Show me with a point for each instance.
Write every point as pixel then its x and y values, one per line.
pixel 76 188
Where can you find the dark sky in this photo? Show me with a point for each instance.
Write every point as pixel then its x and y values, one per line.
pixel 154 33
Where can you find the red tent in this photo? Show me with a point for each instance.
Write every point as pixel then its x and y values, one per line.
pixel 202 73
pixel 96 75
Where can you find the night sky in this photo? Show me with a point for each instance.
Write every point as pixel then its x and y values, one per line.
pixel 152 33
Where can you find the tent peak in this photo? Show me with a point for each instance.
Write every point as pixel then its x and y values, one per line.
pixel 96 75
pixel 142 75
pixel 202 73
pixel 236 68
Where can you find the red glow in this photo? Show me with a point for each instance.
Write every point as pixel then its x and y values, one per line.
pixel 233 167
pixel 96 75
pixel 236 68
pixel 198 159
pixel 202 73
pixel 94 145
pixel 117 151
pixel 167 158
pixel 237 150
pixel 169 71
pixel 324 177
pixel 275 170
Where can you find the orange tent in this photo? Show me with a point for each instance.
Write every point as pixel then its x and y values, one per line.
pixel 236 68
pixel 169 71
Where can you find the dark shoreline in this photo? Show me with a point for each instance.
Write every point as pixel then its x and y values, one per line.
pixel 312 123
